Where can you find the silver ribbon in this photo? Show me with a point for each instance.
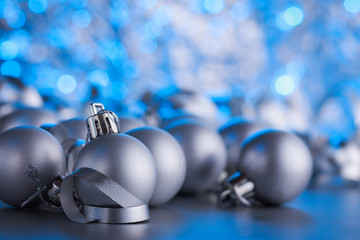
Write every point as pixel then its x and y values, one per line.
pixel 130 209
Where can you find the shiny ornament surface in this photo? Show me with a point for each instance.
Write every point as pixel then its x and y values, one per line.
pixel 234 133
pixel 278 163
pixel 123 159
pixel 27 116
pixel 170 162
pixel 21 148
pixel 205 155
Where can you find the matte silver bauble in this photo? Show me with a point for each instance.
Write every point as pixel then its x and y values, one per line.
pixel 169 159
pixel 27 116
pixel 123 159
pixel 76 127
pixel 128 123
pixel 278 163
pixel 234 133
pixel 191 102
pixel 205 155
pixel 22 149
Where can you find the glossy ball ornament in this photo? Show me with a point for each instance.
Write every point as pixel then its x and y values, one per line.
pixel 205 155
pixel 27 116
pixel 129 123
pixel 278 163
pixel 21 147
pixel 169 159
pixel 122 158
pixel 234 133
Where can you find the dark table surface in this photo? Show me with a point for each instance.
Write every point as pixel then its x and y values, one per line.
pixel 331 212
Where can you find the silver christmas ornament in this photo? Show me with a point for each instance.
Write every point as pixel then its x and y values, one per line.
pixel 57 130
pixel 76 127
pixel 169 159
pixel 30 160
pixel 115 174
pixel 275 167
pixel 191 102
pixel 128 123
pixel 205 155
pixel 27 116
pixel 72 148
pixel 234 133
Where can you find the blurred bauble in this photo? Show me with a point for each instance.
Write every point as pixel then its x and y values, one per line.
pixel 129 123
pixel 205 155
pixel 27 116
pixel 180 118
pixel 169 159
pixel 57 130
pixel 76 127
pixel 234 133
pixel 72 148
pixel 123 159
pixel 278 163
pixel 188 101
pixel 13 90
pixel 21 149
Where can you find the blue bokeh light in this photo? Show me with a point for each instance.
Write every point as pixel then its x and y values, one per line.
pixel 289 18
pixel 66 84
pixel 152 29
pixel 99 78
pixel 15 18
pixel 81 18
pixel 59 38
pixel 112 49
pixel 11 68
pixel 240 11
pixel 37 6
pixel 8 50
pixel 162 16
pixel 352 6
pixel 213 6
pixel 284 85
pixel 120 15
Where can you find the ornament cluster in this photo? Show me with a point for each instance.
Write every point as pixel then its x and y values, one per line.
pixel 111 168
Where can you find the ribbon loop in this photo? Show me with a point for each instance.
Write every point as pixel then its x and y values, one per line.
pixel 130 210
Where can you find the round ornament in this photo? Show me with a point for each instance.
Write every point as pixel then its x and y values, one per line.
pixel 205 155
pixel 114 174
pixel 28 154
pixel 275 167
pixel 234 133
pixel 76 127
pixel 169 159
pixel 128 123
pixel 27 116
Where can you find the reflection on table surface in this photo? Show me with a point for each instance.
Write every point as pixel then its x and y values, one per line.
pixel 326 213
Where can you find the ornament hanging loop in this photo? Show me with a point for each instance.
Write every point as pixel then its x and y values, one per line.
pixel 236 190
pixel 101 122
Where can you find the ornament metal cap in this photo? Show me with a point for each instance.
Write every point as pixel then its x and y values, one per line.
pixel 235 190
pixel 101 122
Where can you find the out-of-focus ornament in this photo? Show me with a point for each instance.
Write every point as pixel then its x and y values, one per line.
pixel 128 123
pixel 170 162
pixel 205 155
pixel 76 127
pixel 234 133
pixel 30 160
pixel 27 116
pixel 115 175
pixel 275 167
pixel 14 91
pixel 191 102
